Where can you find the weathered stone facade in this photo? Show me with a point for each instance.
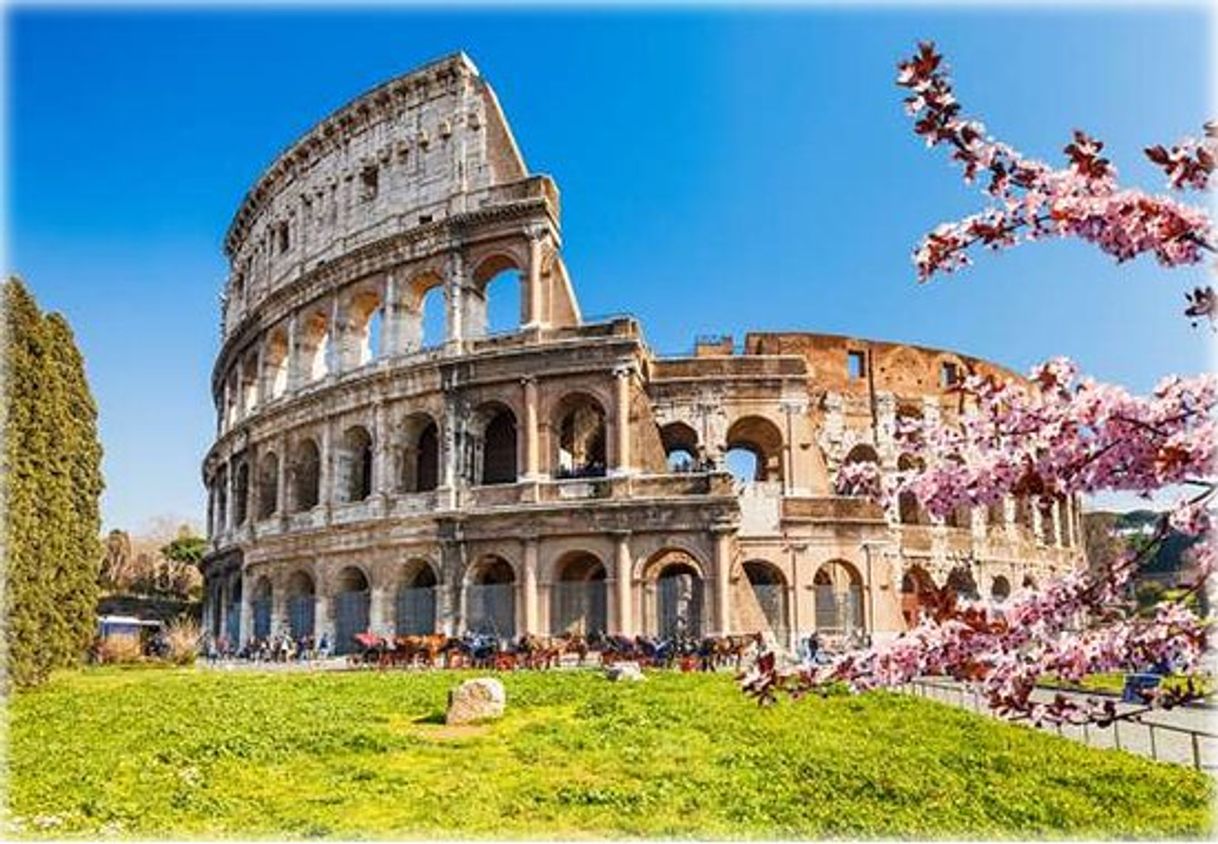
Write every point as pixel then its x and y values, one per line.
pixel 556 476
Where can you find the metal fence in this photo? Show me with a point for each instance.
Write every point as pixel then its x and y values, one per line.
pixel 772 598
pixel 350 617
pixel 679 606
pixel 579 607
pixel 416 611
pixel 1156 739
pixel 490 609
pixel 232 626
pixel 301 611
pixel 838 611
pixel 262 618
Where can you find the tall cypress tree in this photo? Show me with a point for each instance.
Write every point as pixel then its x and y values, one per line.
pixel 52 479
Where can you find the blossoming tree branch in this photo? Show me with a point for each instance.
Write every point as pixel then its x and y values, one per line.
pixel 1065 435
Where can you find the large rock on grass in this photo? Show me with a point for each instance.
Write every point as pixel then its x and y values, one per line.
pixel 624 671
pixel 476 700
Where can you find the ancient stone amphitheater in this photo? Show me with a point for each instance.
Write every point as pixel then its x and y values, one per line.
pixel 383 460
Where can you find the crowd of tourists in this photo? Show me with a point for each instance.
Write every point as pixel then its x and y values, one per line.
pixel 281 647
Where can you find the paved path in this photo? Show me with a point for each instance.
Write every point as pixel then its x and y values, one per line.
pixel 1185 735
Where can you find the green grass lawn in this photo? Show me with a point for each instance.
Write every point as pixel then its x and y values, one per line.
pixel 183 752
pixel 1114 683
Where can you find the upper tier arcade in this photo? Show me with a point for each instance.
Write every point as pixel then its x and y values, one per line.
pixel 427 148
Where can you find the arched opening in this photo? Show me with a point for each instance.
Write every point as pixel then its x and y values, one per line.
pixel 301 604
pixel 314 344
pixel 1000 589
pixel 578 599
pixel 351 603
pixel 249 384
pixel 580 423
pixel 275 363
pixel 419 466
pixel 306 476
pixel 770 589
pixel 754 450
pixel 268 485
pixel 261 606
pixel 679 601
pixel 680 443
pixel 917 594
pixel 433 318
pixel 416 600
pixel 354 465
pixel 221 499
pixel 909 509
pixel 364 320
pixel 241 493
pixel 1029 582
pixel 961 581
pixel 839 598
pixel 494 448
pixel 496 305
pixel 490 595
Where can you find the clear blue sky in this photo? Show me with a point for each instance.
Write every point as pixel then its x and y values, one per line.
pixel 720 170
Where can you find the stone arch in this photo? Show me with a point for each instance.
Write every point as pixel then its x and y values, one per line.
pixel 762 439
pixel 415 599
pixel 839 597
pixel 496 301
pixel 306 475
pixel 1029 582
pixel 769 587
pixel 352 597
pixel 649 568
pixel 961 581
pixel 248 381
pixel 493 445
pixel 353 467
pixel 580 434
pixel 425 305
pixel 275 363
pixel 862 453
pixel 681 447
pixel 365 320
pixel 314 345
pixel 1000 589
pixel 909 509
pixel 578 595
pixel 268 485
pixel 300 590
pixel 419 456
pixel 678 591
pixel 490 597
pixel 917 591
pixel 241 492
pixel 262 607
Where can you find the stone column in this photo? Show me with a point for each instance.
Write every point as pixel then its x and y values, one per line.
pixel 533 292
pixel 279 610
pixel 723 566
pixel 228 498
pixel 530 438
pixel 376 609
pixel 1057 523
pixel 222 594
pixel 622 581
pixel 325 480
pixel 261 393
pixel 322 623
pixel 530 585
pixel 335 357
pixel 621 419
pixel 246 628
pixel 390 317
pixel 281 477
pixel 293 361
pixel 454 292
pixel 381 475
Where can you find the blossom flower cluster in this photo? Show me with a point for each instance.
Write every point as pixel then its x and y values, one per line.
pixel 1034 200
pixel 1058 435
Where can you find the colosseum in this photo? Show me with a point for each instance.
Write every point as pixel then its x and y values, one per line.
pixel 386 458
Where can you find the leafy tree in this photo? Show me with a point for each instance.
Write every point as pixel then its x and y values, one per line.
pixel 52 480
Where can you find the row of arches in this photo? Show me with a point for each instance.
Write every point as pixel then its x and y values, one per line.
pixel 752 451
pixel 371 321
pixel 490 455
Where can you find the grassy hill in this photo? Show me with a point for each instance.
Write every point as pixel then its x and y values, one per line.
pixel 179 752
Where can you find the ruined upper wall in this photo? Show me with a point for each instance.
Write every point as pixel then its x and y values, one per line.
pixel 900 368
pixel 418 149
